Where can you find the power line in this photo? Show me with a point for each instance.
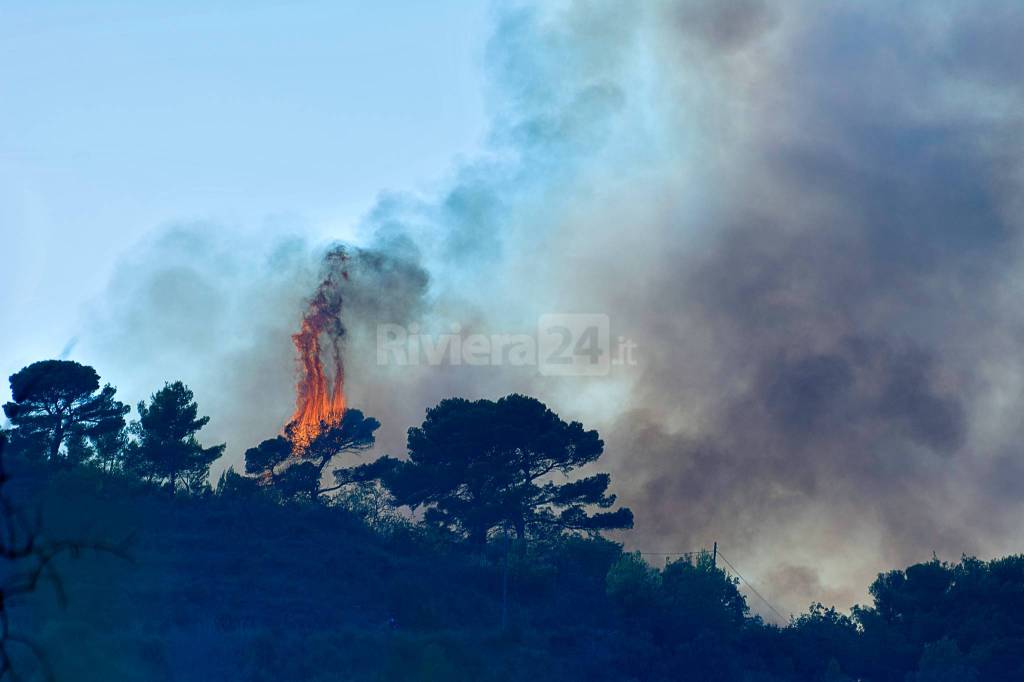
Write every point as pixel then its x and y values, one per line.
pixel 752 588
pixel 719 555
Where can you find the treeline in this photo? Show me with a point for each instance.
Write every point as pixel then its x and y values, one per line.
pixel 473 467
pixel 501 573
pixel 59 412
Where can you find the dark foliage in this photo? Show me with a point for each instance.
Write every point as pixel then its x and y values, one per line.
pixel 277 577
pixel 238 586
pixel 58 403
pixel 29 557
pixel 167 449
pixel 293 474
pixel 480 465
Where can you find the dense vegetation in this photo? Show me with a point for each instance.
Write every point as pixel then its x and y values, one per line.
pixel 287 576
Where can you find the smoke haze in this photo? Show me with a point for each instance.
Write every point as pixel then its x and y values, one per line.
pixel 807 217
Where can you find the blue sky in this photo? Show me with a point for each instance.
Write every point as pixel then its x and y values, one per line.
pixel 117 119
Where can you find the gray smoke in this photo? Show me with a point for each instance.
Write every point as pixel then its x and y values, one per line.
pixel 807 217
pixel 832 363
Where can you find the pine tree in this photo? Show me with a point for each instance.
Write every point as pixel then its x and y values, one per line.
pixel 481 465
pixel 167 449
pixel 57 403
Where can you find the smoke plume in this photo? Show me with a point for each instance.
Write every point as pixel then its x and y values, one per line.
pixel 806 217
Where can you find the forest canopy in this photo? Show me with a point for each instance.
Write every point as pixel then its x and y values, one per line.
pixel 506 574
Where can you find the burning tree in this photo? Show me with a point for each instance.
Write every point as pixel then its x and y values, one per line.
pixel 320 400
pixel 293 471
pixel 322 427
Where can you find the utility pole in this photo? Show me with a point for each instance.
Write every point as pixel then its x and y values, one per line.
pixel 714 555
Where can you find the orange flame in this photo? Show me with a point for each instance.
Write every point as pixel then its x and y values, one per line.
pixel 318 399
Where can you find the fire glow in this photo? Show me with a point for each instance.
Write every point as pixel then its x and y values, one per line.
pixel 320 391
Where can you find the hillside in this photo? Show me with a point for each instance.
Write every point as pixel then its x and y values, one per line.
pixel 218 589
pixel 222 587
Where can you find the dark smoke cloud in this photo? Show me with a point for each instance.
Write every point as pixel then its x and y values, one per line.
pixel 806 215
pixel 833 335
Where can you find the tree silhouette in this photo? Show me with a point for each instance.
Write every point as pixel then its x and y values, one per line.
pixel 296 473
pixel 167 449
pixel 233 485
pixel 108 450
pixel 480 465
pixel 57 401
pixel 977 606
pixel 287 476
pixel 267 456
pixel 698 599
pixel 633 586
